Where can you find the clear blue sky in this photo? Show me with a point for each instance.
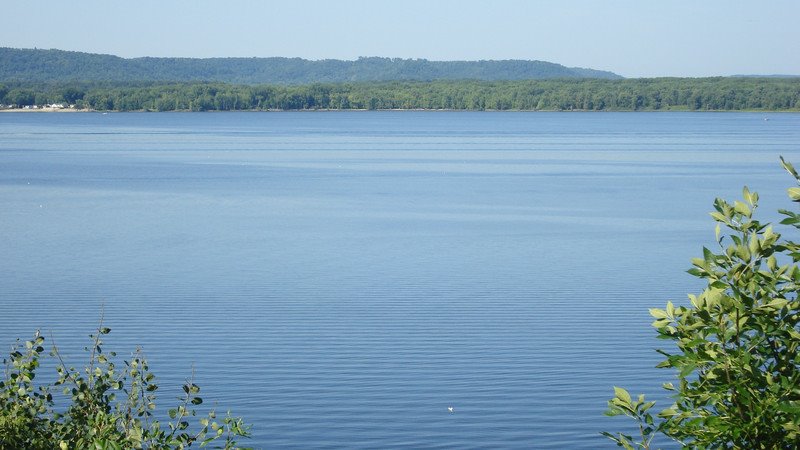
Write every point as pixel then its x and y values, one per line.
pixel 635 38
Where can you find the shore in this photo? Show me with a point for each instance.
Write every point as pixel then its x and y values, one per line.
pixel 75 110
pixel 45 109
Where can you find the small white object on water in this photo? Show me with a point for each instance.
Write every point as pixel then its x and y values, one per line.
pixel 450 409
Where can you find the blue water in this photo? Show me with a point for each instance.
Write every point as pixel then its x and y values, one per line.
pixel 341 279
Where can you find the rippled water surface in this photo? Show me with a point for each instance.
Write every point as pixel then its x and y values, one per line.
pixel 341 279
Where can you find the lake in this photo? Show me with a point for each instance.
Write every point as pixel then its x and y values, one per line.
pixel 341 278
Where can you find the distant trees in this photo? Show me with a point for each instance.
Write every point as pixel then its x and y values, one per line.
pixel 165 84
pixel 63 66
pixel 22 97
pixel 690 94
pixel 72 94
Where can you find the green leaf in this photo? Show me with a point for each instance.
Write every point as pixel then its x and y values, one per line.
pixel 778 303
pixel 792 218
pixel 622 394
pixel 686 370
pixel 669 412
pixel 743 321
pixel 753 244
pixel 743 209
pixel 747 196
pixel 719 217
pixel 696 272
pixel 789 168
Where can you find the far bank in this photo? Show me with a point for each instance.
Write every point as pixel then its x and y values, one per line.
pixel 657 94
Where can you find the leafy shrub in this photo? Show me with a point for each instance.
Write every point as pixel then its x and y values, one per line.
pixel 109 407
pixel 736 345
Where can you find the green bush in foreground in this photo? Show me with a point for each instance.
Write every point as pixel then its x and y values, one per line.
pixel 108 408
pixel 736 346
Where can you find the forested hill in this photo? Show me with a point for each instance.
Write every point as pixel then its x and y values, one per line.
pixel 59 66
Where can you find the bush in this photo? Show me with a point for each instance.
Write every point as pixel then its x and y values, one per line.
pixel 738 378
pixel 107 408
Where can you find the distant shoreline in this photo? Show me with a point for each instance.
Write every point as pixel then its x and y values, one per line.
pixel 45 110
pixel 742 94
pixel 141 111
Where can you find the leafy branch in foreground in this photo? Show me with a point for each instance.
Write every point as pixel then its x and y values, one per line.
pixel 738 376
pixel 108 408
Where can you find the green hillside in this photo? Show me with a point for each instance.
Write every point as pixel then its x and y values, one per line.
pixel 59 65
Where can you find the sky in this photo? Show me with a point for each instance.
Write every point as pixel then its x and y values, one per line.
pixel 634 38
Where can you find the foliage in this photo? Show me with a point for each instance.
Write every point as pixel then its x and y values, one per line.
pixel 738 376
pixel 106 82
pixel 562 95
pixel 108 407
pixel 59 66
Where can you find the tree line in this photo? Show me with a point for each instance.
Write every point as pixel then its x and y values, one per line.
pixel 59 66
pixel 691 94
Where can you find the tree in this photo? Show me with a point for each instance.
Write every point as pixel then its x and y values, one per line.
pixel 71 94
pixel 108 407
pixel 21 97
pixel 736 343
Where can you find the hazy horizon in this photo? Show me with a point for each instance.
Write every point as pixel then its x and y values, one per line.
pixel 792 75
pixel 630 38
